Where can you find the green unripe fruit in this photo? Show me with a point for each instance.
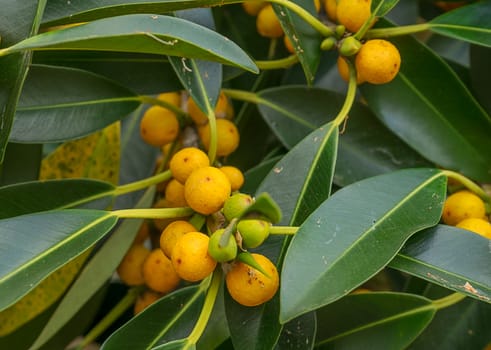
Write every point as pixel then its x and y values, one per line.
pixel 236 205
pixel 328 44
pixel 222 251
pixel 253 232
pixel 350 46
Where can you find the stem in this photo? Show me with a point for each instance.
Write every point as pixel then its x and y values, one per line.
pixel 447 301
pixel 212 121
pixel 153 213
pixel 273 44
pixel 283 230
pixel 350 96
pixel 139 185
pixel 306 16
pixel 155 101
pixel 281 63
pixel 206 311
pixel 242 95
pixel 396 31
pixel 110 317
pixel 468 183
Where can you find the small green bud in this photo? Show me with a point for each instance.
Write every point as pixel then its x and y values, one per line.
pixel 222 251
pixel 339 31
pixel 328 44
pixel 254 232
pixel 236 205
pixel 349 46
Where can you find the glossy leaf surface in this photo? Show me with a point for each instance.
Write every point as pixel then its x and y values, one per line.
pixel 374 321
pixel 170 318
pixel 470 23
pixel 450 257
pixel 154 34
pixel 95 274
pixel 382 7
pixel 59 237
pixel 88 103
pixel 19 21
pixel 354 234
pixel 447 126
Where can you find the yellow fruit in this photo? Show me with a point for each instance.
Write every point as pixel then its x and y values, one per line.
pixel 130 268
pixel 234 175
pixel 378 61
pixel 317 5
pixel 476 225
pixel 185 161
pixel 206 189
pixel 190 257
pixel 158 272
pixel 253 7
pixel 353 13
pixel 331 8
pixel 144 300
pixel 462 205
pixel 172 233
pixel 200 118
pixel 159 126
pixel 173 98
pixel 249 287
pixel 174 193
pixel 344 70
pixel 267 23
pixel 227 137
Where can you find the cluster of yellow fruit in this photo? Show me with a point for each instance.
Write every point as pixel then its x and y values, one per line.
pixel 267 22
pixel 160 126
pixel 376 61
pixel 183 253
pixel 466 210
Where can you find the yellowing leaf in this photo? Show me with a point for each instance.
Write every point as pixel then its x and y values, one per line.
pixel 95 156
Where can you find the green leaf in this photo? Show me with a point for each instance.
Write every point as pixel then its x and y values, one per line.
pixel 450 257
pixel 253 327
pixel 95 274
pixel 265 205
pixel 49 240
pixel 304 38
pixel 141 73
pixel 88 103
pixel 373 321
pixel 58 12
pixel 470 23
pixel 36 196
pixel 366 148
pixel 19 21
pixel 144 33
pixel 480 75
pixel 299 333
pixel 202 79
pixel 354 234
pixel 175 345
pixel 176 314
pixel 447 126
pixel 382 7
pixel 462 326
pixel 253 176
pixel 301 180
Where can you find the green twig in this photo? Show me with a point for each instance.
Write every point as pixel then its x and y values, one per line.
pixel 153 213
pixel 447 301
pixel 469 184
pixel 281 63
pixel 397 31
pixel 206 311
pixel 142 184
pixel 155 101
pixel 350 96
pixel 283 230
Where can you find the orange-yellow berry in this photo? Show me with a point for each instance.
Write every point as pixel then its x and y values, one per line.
pixel 480 226
pixel 158 272
pixel 190 257
pixel 130 268
pixel 206 189
pixel 234 175
pixel 250 287
pixel 378 61
pixel 462 205
pixel 174 193
pixel 159 126
pixel 353 13
pixel 144 300
pixel 172 233
pixel 227 137
pixel 185 161
pixel 267 23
